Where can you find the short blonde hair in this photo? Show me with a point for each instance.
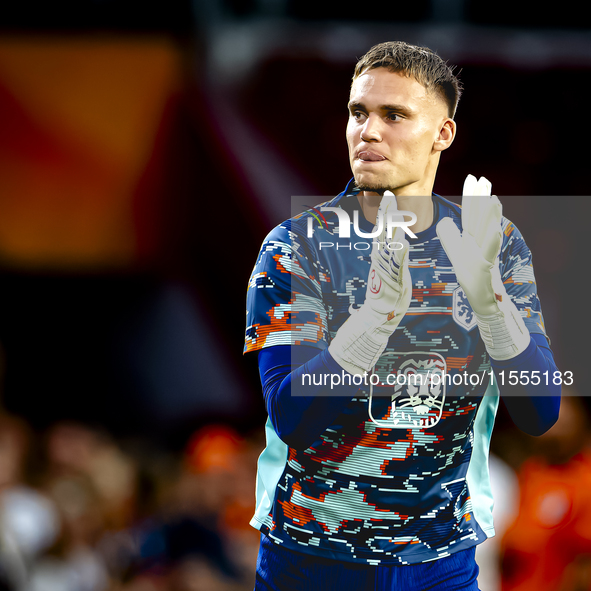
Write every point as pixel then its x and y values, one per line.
pixel 421 63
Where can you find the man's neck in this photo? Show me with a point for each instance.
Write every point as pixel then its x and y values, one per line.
pixel 421 206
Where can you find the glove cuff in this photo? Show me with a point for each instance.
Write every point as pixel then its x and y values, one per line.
pixel 504 334
pixel 358 344
pixel 360 355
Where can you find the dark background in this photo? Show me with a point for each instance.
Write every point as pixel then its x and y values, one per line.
pixel 152 345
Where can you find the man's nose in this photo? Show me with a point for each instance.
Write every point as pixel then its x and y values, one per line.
pixel 371 130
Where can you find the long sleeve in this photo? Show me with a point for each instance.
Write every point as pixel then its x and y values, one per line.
pixel 533 408
pixel 300 419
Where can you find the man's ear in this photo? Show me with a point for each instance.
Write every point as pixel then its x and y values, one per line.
pixel 447 133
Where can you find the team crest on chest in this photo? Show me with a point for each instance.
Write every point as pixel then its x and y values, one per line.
pixel 415 385
pixel 462 311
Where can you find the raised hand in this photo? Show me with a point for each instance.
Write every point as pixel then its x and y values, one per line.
pixel 474 255
pixel 360 341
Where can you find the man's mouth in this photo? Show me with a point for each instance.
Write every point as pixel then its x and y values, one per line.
pixel 370 157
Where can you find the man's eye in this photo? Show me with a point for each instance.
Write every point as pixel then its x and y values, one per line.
pixel 358 115
pixel 393 116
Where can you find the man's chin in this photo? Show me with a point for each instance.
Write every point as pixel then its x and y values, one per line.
pixel 370 185
pixel 373 188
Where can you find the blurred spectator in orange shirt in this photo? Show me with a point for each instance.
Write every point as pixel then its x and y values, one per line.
pixel 548 547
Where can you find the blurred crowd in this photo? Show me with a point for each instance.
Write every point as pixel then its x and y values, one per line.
pixel 83 511
pixel 542 513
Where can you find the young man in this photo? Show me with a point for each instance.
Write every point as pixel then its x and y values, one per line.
pixel 381 481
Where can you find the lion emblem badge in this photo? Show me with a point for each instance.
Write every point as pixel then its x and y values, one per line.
pixel 411 392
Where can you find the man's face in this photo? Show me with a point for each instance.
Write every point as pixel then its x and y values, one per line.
pixel 393 133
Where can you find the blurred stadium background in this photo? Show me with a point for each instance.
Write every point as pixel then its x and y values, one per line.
pixel 146 148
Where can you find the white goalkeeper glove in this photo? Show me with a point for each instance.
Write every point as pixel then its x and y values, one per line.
pixel 474 256
pixel 360 341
